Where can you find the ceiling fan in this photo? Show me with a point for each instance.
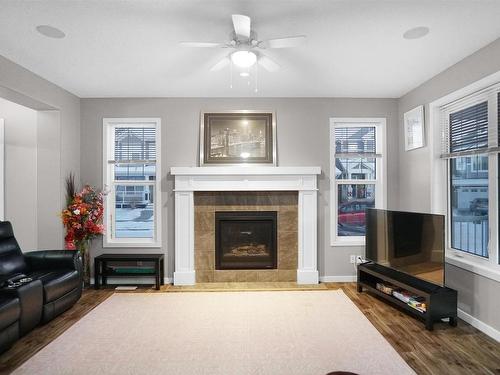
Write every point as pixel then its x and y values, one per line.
pixel 246 48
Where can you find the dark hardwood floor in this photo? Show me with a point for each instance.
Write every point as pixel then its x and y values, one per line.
pixel 446 350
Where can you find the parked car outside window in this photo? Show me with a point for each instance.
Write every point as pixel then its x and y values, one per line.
pixel 352 216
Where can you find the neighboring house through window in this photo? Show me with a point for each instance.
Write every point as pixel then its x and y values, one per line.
pixel 131 169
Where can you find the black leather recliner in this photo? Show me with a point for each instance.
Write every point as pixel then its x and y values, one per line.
pixel 10 311
pixel 60 272
pixel 55 286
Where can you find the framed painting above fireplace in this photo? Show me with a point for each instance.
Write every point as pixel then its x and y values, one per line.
pixel 238 137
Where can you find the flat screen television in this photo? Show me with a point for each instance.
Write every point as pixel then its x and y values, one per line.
pixel 410 242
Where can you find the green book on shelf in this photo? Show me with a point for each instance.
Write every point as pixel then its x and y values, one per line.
pixel 134 270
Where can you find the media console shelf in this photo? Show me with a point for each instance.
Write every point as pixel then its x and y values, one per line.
pixel 441 302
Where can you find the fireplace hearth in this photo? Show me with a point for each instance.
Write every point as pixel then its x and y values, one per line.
pixel 245 240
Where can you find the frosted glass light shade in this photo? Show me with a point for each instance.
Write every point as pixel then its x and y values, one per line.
pixel 243 59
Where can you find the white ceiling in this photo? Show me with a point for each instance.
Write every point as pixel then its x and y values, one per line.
pixel 354 48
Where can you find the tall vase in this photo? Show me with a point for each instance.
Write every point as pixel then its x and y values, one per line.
pixel 83 247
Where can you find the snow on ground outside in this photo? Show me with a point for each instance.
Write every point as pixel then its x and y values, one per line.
pixel 134 222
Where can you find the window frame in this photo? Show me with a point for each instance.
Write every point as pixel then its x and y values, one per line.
pixel 488 88
pixel 109 240
pixel 493 186
pixel 449 216
pixel 380 181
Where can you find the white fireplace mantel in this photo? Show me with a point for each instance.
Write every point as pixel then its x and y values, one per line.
pixel 191 179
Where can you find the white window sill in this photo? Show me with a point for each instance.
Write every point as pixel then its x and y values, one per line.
pixel 474 266
pixel 131 244
pixel 342 243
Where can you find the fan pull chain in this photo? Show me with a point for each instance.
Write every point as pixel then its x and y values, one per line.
pixel 231 74
pixel 256 77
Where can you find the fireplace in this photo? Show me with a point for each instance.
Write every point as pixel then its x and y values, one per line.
pixel 200 192
pixel 245 240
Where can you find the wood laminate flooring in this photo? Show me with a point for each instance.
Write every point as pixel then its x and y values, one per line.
pixel 446 350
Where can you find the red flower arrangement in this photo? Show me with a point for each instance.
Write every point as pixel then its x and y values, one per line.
pixel 82 218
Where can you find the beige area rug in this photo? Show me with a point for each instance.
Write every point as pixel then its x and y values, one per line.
pixel 289 333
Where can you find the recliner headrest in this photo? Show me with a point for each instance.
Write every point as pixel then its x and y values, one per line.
pixel 6 230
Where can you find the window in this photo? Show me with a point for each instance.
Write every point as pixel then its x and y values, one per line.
pixel 469 207
pixel 132 178
pixel 469 131
pixel 357 173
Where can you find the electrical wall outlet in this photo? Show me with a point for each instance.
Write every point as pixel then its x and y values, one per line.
pixel 353 259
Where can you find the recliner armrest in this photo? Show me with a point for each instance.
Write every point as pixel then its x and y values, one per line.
pixel 54 259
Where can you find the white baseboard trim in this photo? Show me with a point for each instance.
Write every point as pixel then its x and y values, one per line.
pixel 132 280
pixel 184 278
pixel 307 277
pixel 476 323
pixel 337 279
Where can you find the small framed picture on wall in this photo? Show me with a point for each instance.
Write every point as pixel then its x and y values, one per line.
pixel 414 128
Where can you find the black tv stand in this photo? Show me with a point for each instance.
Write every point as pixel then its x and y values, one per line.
pixel 441 301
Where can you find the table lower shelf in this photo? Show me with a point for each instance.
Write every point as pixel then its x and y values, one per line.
pixel 128 274
pixel 394 301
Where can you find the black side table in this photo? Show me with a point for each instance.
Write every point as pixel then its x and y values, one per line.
pixel 102 273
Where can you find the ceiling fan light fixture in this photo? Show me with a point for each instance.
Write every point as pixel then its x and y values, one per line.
pixel 243 59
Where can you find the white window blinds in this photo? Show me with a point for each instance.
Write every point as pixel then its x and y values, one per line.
pixel 498 119
pixel 465 125
pixel 469 128
pixel 355 142
pixel 135 144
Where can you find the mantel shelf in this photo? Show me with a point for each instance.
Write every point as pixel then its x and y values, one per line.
pixel 244 170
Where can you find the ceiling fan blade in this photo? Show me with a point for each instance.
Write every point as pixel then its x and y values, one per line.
pixel 241 25
pixel 202 44
pixel 268 64
pixel 221 64
pixel 288 42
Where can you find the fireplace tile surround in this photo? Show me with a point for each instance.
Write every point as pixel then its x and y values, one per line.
pixel 285 203
pixel 290 191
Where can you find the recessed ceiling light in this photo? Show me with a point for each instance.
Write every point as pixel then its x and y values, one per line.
pixel 50 31
pixel 244 74
pixel 416 32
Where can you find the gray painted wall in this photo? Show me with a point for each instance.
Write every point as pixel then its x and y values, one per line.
pixel 21 155
pixel 59 144
pixel 303 140
pixel 475 292
pixel 32 174
pixel 49 177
